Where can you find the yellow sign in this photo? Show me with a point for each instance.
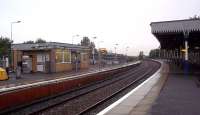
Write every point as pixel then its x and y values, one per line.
pixel 103 50
pixel 183 50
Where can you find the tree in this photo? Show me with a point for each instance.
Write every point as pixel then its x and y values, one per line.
pixel 154 53
pixel 92 45
pixel 195 17
pixel 85 41
pixel 29 42
pixel 5 46
pixel 141 55
pixel 40 40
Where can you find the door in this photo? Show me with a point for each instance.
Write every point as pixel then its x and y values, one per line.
pixel 40 63
pixel 27 63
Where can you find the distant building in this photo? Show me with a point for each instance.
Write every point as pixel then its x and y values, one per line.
pixel 112 58
pixel 49 57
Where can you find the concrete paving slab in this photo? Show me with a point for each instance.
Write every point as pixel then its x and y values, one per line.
pixel 131 102
pixel 137 113
pixel 121 109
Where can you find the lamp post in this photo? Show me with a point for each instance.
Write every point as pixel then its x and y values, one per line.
pixel 11 24
pixel 116 52
pixel 116 49
pixel 11 27
pixel 126 53
pixel 99 54
pixel 93 52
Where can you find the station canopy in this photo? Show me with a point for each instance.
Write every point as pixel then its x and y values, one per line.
pixel 172 34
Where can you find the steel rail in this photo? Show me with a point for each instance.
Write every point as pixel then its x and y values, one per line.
pixel 116 93
pixel 109 81
pixel 129 74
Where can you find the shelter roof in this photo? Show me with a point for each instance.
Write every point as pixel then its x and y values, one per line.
pixel 176 26
pixel 47 45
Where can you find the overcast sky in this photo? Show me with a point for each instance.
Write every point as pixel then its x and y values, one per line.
pixel 123 22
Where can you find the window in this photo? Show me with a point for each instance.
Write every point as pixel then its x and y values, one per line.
pixel 59 57
pixel 84 56
pixel 67 56
pixel 63 56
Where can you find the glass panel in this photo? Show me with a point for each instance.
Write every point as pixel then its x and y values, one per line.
pixel 59 57
pixel 63 56
pixel 67 56
pixel 58 50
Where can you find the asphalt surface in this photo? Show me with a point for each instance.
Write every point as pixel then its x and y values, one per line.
pixel 180 96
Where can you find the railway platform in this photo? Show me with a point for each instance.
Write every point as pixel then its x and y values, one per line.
pixel 27 79
pixel 38 77
pixel 167 92
pixel 180 95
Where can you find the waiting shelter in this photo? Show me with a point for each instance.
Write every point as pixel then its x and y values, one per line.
pixel 179 40
pixel 49 57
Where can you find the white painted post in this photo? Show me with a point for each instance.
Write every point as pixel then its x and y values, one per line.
pixel 186 50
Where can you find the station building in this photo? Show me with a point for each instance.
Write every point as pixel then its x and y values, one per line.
pixel 179 40
pixel 49 57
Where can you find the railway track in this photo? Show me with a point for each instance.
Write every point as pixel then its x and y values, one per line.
pixel 87 110
pixel 86 99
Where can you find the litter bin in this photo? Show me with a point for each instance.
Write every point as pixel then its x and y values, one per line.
pixel 3 74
